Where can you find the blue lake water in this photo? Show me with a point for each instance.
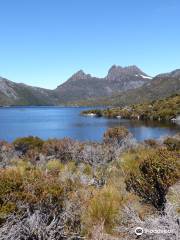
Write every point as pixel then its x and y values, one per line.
pixel 59 122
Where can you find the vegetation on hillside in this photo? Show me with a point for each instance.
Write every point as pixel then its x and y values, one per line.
pixel 161 86
pixel 165 109
pixel 65 189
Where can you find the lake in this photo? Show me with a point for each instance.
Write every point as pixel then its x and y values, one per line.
pixel 59 122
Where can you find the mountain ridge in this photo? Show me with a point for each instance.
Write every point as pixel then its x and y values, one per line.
pixel 161 86
pixel 121 85
pixel 84 86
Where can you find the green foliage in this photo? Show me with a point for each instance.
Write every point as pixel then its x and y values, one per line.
pixel 97 112
pixel 28 143
pixel 152 176
pixel 165 109
pixel 31 187
pixel 10 180
pixel 87 169
pixel 173 144
pixel 54 166
pixel 10 183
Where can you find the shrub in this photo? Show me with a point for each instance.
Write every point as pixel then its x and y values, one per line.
pixel 29 187
pixel 153 175
pixel 103 208
pixel 131 159
pixel 60 149
pixel 173 144
pixel 173 197
pixel 54 165
pixel 28 143
pixel 116 134
pixel 22 165
pixel 88 170
pixel 151 143
pixel 10 183
pixel 40 187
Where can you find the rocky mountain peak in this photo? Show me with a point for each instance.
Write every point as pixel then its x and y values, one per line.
pixel 118 72
pixel 133 70
pixel 79 75
pixel 114 70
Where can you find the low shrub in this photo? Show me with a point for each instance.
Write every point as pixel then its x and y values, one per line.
pixel 54 166
pixel 116 134
pixel 173 144
pixel 28 143
pixel 103 208
pixel 60 149
pixel 151 143
pixel 29 187
pixel 10 184
pixel 152 176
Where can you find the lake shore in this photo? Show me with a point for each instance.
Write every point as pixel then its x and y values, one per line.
pixel 161 110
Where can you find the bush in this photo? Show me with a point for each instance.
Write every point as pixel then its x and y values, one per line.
pixel 28 143
pixel 29 187
pixel 10 183
pixel 54 166
pixel 151 143
pixel 116 134
pixel 60 149
pixel 103 208
pixel 173 144
pixel 151 177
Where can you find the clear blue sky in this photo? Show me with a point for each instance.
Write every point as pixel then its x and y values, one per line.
pixel 43 42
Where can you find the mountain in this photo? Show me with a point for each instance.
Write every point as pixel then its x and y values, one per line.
pixel 121 86
pixel 118 73
pixel 161 86
pixel 83 86
pixel 20 94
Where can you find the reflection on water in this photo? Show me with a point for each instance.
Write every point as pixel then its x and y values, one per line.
pixel 57 122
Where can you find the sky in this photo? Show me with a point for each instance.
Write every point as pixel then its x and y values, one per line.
pixel 44 42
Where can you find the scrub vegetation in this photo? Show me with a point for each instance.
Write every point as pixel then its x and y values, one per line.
pixel 165 109
pixel 65 189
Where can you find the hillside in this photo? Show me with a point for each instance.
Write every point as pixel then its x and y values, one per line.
pixel 20 94
pixel 159 87
pixel 80 86
pixel 83 86
pixel 165 109
pixel 121 86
